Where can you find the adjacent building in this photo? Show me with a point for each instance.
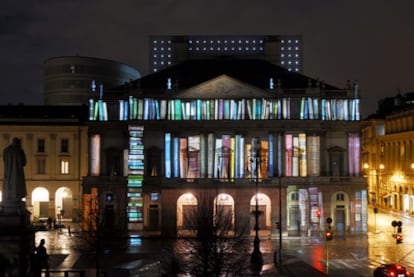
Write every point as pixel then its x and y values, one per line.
pixel 68 80
pixel 283 50
pixel 54 140
pixel 388 153
pixel 245 130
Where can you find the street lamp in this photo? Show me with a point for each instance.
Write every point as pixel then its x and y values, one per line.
pixel 379 180
pixel 256 258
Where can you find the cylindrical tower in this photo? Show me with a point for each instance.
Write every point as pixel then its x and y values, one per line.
pixel 68 79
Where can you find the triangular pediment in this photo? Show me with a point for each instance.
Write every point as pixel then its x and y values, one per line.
pixel 224 87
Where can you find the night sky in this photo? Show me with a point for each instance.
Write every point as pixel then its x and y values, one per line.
pixel 364 40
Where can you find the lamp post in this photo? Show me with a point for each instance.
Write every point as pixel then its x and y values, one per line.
pixel 379 181
pixel 256 258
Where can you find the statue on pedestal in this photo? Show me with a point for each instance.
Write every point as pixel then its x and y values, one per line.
pixel 14 183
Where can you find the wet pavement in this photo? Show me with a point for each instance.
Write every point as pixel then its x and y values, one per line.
pixel 68 251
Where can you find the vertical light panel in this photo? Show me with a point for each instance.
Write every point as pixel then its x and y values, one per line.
pixel 95 160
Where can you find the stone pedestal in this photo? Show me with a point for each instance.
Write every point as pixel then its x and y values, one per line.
pixel 16 239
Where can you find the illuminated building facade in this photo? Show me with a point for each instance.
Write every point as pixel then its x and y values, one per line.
pixel 388 154
pixel 286 51
pixel 55 143
pixel 188 129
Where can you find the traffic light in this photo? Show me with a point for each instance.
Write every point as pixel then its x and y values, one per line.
pixel 398 238
pixel 328 235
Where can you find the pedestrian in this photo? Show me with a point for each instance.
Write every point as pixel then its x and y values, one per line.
pixel 49 223
pixel 41 260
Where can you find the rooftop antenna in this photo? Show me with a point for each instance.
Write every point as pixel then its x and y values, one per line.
pixel 93 86
pixel 356 88
pixel 100 91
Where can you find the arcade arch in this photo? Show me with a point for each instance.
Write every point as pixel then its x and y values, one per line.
pixel 264 204
pixel 40 203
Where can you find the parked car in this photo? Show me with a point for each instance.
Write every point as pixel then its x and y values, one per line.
pixel 391 270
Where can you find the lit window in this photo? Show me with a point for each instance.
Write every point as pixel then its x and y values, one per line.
pixel 64 167
pixel 154 196
pixel 282 55
pixel 155 42
pixel 155 49
pixel 289 41
pixel 282 48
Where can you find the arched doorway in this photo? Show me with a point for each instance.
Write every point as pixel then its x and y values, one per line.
pixel 186 206
pixel 264 204
pixel 224 208
pixel 40 203
pixel 64 203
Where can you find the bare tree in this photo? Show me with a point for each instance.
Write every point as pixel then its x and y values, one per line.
pixel 209 243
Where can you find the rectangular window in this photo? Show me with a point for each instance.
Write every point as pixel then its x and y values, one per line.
pixel 64 146
pixel 340 197
pixel 64 167
pixel 40 145
pixel 41 166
